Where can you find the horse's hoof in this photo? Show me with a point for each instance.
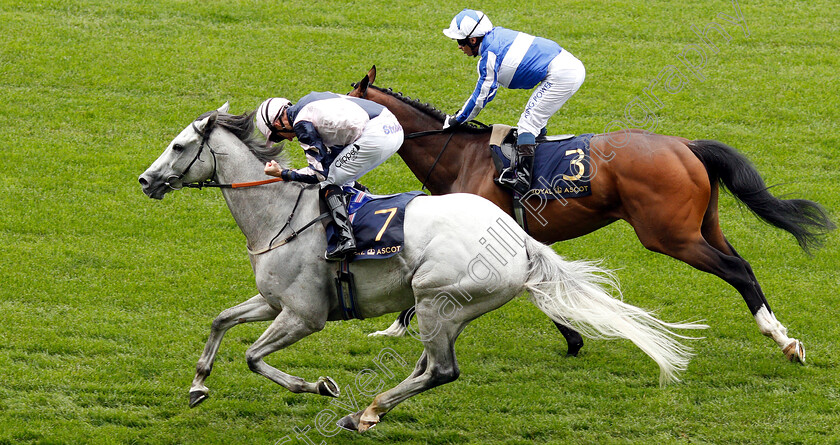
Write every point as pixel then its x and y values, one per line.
pixel 197 397
pixel 348 423
pixel 574 349
pixel 795 352
pixel 327 387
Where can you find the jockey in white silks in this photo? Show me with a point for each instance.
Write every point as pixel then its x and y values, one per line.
pixel 343 138
pixel 515 60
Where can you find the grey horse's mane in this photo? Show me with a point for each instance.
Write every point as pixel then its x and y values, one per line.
pixel 469 127
pixel 242 126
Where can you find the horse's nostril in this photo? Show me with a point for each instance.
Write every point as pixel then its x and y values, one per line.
pixel 143 182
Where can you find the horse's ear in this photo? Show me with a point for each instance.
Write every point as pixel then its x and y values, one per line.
pixel 212 118
pixel 207 122
pixel 361 88
pixel 224 108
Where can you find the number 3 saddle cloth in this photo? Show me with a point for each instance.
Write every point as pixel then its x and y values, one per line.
pixel 561 163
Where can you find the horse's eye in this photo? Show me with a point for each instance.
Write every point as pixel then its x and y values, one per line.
pixel 178 147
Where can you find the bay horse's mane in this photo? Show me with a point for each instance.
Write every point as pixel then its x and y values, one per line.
pixel 242 126
pixel 469 127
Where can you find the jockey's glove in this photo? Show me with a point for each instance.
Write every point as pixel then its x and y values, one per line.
pixel 450 122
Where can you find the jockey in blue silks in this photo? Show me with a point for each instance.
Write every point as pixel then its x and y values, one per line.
pixel 343 138
pixel 520 61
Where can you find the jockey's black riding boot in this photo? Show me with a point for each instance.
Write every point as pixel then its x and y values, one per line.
pixel 524 168
pixel 336 202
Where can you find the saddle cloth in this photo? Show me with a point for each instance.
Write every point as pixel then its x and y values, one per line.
pixel 561 163
pixel 377 222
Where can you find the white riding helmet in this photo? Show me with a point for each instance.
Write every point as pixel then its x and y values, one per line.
pixel 268 112
pixel 468 23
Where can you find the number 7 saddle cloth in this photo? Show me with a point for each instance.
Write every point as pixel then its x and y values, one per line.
pixel 377 223
pixel 561 163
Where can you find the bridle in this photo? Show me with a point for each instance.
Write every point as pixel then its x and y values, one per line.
pixel 175 182
pixel 178 184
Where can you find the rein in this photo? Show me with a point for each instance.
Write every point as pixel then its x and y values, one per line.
pixel 294 234
pixel 212 183
pixel 421 134
pixel 429 133
pixel 235 185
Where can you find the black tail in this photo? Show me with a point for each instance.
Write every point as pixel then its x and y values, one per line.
pixel 806 220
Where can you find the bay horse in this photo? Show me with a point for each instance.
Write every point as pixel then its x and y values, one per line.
pixel 665 187
pixel 435 271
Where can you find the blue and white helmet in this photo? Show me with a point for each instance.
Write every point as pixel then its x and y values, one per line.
pixel 468 23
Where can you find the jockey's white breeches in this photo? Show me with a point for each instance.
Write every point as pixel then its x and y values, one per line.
pixel 565 76
pixel 380 139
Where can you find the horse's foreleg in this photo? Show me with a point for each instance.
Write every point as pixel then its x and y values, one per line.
pixel 398 328
pixel 574 341
pixel 285 330
pixel 254 309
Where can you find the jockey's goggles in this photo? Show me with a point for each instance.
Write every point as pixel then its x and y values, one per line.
pixel 276 126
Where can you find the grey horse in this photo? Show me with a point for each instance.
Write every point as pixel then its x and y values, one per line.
pixel 462 257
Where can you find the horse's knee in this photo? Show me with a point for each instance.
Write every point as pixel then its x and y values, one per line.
pixel 220 323
pixel 253 360
pixel 224 321
pixel 441 374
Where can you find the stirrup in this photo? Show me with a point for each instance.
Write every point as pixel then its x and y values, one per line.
pixel 521 185
pixel 507 177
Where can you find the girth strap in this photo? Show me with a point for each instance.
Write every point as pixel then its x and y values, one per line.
pixel 519 212
pixel 345 286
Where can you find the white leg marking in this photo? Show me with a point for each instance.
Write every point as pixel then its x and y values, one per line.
pixel 395 330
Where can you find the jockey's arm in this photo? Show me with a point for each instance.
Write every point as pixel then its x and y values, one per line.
pixel 306 174
pixel 308 135
pixel 484 92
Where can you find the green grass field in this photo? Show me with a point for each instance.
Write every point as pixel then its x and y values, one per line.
pixel 106 297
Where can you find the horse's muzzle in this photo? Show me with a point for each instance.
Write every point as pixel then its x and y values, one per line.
pixel 153 188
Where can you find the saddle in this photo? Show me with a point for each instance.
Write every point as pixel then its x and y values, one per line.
pixel 561 163
pixel 504 137
pixel 561 166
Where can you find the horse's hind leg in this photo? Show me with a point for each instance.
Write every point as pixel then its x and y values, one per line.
pixel 254 309
pixel 736 271
pixel 574 341
pixel 753 295
pixel 436 366
pixel 286 329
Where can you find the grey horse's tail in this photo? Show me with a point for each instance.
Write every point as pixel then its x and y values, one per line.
pixel 576 293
